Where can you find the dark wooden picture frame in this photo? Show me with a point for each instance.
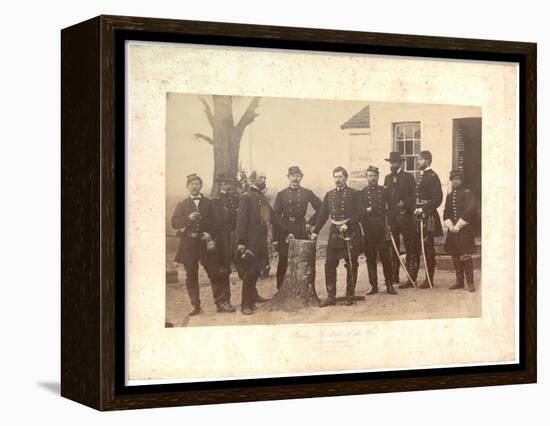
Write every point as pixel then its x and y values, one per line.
pixel 93 212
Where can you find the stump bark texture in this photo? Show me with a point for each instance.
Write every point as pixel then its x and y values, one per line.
pixel 298 288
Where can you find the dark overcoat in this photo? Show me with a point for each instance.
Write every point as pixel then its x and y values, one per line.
pixel 400 187
pixel 207 222
pixel 374 222
pixel 227 206
pixel 460 204
pixel 429 196
pixel 254 217
pixel 338 205
pixel 290 208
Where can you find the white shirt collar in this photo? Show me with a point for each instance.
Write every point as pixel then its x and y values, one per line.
pixel 425 170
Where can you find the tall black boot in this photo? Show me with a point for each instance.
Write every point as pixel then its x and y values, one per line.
pixel 281 270
pixel 459 271
pixel 373 277
pixel 469 272
pixel 330 282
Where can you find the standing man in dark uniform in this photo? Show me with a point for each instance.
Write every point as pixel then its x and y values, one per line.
pixel 458 217
pixel 375 226
pixel 428 198
pixel 401 190
pixel 290 208
pixel 343 206
pixel 197 222
pixel 227 205
pixel 254 217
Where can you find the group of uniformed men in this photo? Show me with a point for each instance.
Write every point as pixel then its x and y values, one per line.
pixel 362 221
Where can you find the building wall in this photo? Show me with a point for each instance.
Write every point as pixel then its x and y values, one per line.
pixel 436 126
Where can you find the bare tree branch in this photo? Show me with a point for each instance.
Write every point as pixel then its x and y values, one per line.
pixel 204 137
pixel 249 115
pixel 207 111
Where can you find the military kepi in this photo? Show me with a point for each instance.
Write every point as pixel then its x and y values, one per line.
pixel 294 170
pixel 456 173
pixel 224 177
pixel 372 169
pixel 395 157
pixel 193 177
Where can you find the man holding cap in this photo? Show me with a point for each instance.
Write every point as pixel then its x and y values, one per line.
pixel 428 198
pixel 291 207
pixel 401 191
pixel 197 223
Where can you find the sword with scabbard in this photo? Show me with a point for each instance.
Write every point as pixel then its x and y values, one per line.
pixel 421 218
pixel 396 250
pixel 347 239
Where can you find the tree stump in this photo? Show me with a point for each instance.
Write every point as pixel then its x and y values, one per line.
pixel 298 288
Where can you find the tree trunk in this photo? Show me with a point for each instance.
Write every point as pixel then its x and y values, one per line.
pixel 298 288
pixel 226 135
pixel 226 139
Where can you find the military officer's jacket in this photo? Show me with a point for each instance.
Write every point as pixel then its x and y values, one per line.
pixel 291 207
pixel 374 198
pixel 429 197
pixel 227 205
pixel 338 205
pixel 460 204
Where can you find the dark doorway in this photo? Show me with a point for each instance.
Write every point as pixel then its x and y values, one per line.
pixel 467 156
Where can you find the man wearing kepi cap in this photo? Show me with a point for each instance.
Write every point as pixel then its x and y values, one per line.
pixel 291 207
pixel 227 205
pixel 401 191
pixel 458 216
pixel 375 227
pixel 343 207
pixel 428 224
pixel 197 223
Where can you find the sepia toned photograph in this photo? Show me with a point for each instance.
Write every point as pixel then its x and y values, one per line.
pixel 359 207
pixel 284 210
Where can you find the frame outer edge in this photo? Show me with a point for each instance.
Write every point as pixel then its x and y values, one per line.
pixel 108 398
pixel 80 210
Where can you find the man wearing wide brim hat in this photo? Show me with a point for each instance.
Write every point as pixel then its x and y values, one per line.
pixel 291 207
pixel 401 194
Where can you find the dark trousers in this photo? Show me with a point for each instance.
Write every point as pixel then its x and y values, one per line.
pixel 249 291
pixel 226 248
pixel 417 253
pixel 333 258
pixel 402 226
pixel 251 271
pixel 464 265
pixel 378 247
pixel 194 251
pixel 281 270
